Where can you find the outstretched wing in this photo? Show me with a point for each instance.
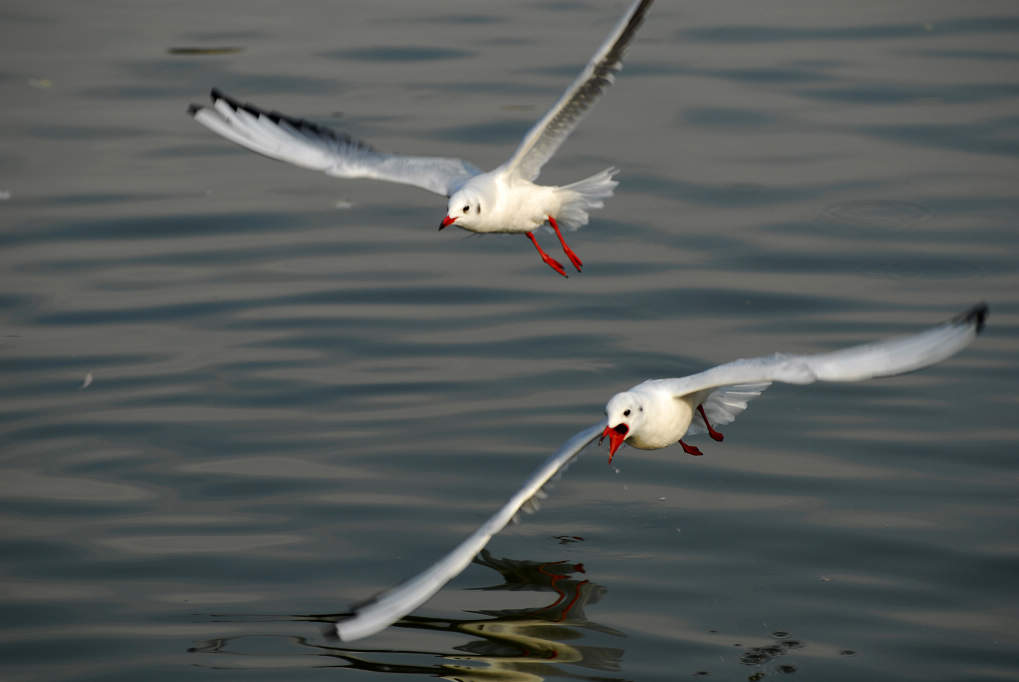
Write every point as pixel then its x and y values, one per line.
pixel 544 138
pixel 883 358
pixel 312 146
pixel 388 607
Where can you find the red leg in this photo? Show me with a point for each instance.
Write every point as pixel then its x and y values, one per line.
pixel 562 595
pixel 691 449
pixel 549 261
pixel 715 435
pixel 569 252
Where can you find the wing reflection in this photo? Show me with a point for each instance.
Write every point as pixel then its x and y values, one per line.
pixel 519 645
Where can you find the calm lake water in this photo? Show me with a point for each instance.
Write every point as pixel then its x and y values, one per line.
pixel 301 393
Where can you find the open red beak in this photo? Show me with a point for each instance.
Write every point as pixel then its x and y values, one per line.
pixel 446 222
pixel 616 436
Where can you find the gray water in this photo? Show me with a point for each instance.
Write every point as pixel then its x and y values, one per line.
pixel 302 393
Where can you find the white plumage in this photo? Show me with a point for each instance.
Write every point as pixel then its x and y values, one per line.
pixel 660 411
pixel 505 199
pixel 388 607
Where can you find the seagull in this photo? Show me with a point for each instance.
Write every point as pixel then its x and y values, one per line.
pixel 505 199
pixel 660 412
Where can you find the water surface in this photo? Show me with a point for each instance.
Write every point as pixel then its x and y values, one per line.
pixel 301 393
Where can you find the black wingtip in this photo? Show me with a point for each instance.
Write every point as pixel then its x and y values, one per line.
pixel 215 94
pixel 975 315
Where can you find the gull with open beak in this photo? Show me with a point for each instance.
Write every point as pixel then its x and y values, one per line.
pixel 505 199
pixel 658 413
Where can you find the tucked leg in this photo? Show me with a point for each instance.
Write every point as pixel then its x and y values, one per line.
pixel 715 435
pixel 569 252
pixel 691 449
pixel 549 261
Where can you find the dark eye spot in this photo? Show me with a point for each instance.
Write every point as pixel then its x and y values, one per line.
pixel 626 413
pixel 642 409
pixel 467 209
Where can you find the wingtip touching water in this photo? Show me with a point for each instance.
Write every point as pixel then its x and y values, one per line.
pixel 389 606
pixel 653 416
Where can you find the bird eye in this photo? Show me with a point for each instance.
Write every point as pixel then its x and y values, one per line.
pixel 626 413
pixel 467 209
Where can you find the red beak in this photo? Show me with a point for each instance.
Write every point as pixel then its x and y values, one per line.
pixel 616 436
pixel 446 222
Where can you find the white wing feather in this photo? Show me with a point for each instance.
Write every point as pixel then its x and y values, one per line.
pixel 724 404
pixel 391 605
pixel 544 138
pixel 883 358
pixel 735 384
pixel 315 147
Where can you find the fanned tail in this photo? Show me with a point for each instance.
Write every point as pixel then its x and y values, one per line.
pixel 585 195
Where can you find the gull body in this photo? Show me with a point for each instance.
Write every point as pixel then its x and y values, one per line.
pixel 659 413
pixel 505 199
pixel 497 201
pixel 656 417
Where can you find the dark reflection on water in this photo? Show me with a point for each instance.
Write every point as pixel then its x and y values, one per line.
pixel 509 644
pixel 532 643
pixel 301 392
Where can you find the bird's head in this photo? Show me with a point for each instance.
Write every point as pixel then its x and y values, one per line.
pixel 624 414
pixel 464 210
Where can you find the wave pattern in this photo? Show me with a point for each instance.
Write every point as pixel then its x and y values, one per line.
pixel 234 391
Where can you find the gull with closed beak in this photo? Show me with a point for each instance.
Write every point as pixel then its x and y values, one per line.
pixel 505 199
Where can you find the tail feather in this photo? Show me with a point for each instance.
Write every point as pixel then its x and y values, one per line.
pixel 585 195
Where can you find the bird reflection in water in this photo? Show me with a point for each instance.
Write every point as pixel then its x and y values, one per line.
pixel 510 644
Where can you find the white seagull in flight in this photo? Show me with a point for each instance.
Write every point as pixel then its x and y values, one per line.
pixel 505 199
pixel 658 413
